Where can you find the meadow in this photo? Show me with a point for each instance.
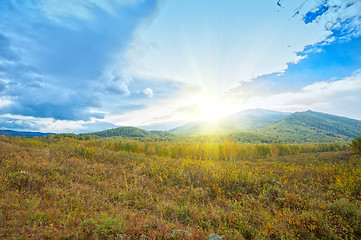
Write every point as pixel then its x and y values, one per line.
pixel 65 188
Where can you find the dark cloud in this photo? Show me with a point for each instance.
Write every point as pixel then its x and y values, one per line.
pixel 52 103
pixel 35 95
pixel 53 68
pixel 18 73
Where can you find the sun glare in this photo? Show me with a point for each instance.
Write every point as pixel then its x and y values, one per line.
pixel 211 109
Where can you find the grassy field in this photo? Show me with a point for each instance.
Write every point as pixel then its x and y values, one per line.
pixel 72 189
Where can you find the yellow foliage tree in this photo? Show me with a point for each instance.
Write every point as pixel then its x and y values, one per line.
pixel 230 149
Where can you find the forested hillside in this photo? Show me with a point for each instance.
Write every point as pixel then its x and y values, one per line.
pixel 268 126
pixel 312 126
pixel 127 132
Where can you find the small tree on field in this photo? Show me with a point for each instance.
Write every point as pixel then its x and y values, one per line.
pixel 356 145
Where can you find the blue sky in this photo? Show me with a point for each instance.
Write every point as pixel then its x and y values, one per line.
pixel 87 65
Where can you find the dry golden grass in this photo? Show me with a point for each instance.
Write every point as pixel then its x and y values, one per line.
pixel 71 189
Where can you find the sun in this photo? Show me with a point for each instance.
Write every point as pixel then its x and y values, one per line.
pixel 213 108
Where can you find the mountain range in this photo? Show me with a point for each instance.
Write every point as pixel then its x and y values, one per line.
pixel 266 125
pixel 245 120
pixel 255 125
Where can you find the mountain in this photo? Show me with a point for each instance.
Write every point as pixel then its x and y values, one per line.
pixel 127 132
pixel 254 126
pixel 23 134
pixel 259 125
pixel 246 120
pixel 312 126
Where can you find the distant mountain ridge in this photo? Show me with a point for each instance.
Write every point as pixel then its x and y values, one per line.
pixel 254 126
pixel 23 134
pixel 245 120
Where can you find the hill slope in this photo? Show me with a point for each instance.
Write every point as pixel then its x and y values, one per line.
pixel 128 132
pixel 253 126
pixel 246 120
pixel 312 126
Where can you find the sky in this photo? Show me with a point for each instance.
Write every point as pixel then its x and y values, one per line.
pixel 88 65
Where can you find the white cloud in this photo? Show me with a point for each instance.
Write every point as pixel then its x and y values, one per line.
pixel 148 92
pixel 50 125
pixel 340 97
